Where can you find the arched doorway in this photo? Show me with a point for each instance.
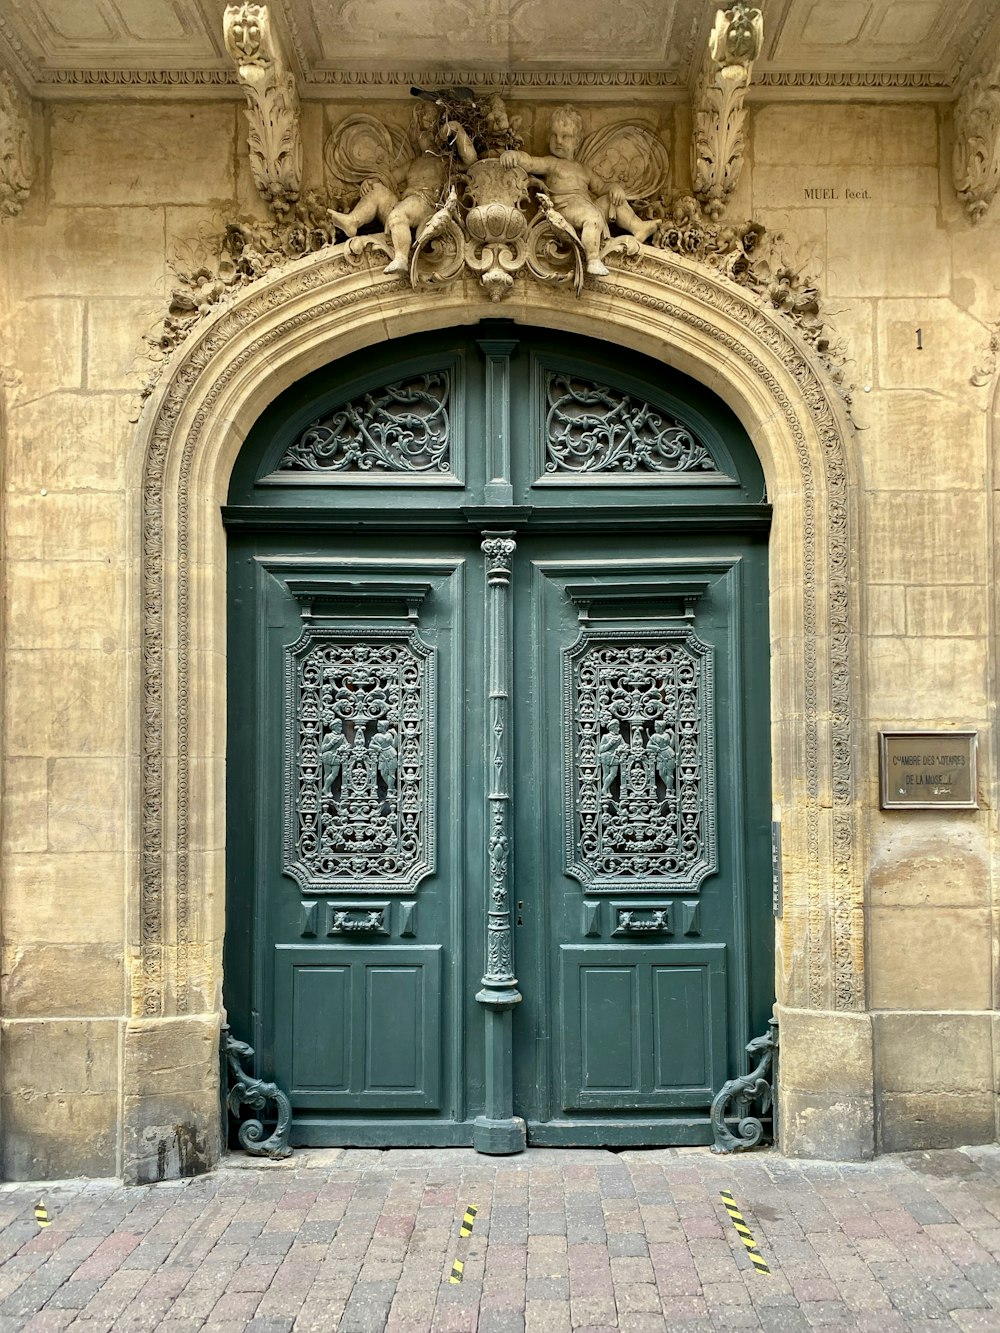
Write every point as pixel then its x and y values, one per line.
pixel 498 839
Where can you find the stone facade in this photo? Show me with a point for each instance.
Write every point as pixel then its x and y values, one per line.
pixel 882 574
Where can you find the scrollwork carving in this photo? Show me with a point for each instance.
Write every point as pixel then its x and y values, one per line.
pixel 976 154
pixel 594 428
pixel 402 427
pixel 718 145
pixel 272 104
pixel 17 160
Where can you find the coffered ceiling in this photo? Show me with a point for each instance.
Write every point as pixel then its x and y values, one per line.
pixel 870 48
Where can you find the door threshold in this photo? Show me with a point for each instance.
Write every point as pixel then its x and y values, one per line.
pixel 337 1133
pixel 662 1133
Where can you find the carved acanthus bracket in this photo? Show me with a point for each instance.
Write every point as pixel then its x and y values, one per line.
pixel 272 104
pixel 976 157
pixel 17 160
pixel 719 142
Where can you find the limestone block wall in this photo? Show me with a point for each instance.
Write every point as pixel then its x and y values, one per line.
pixel 863 195
pixel 915 288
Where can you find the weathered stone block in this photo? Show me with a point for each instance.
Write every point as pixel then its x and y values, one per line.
pixel 930 958
pixel 907 1121
pixel 78 823
pixel 940 361
pixel 887 250
pixel 940 861
pixel 117 356
pixel 839 1128
pixel 65 525
pixel 169 1137
pixel 181 1054
pixel 41 980
pixel 59 1056
pixel 896 419
pixel 46 345
pixel 51 1136
pixel 824 134
pixel 70 604
pixel 84 251
pixel 927 537
pixel 828 1053
pixel 927 681
pixel 934 1053
pixel 44 454
pixel 117 153
pixel 64 703
pixel 42 895
pixel 25 805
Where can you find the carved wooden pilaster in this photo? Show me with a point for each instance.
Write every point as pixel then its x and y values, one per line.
pixel 272 104
pixel 976 155
pixel 719 142
pixel 17 161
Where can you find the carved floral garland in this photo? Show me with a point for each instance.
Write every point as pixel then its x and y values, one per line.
pixel 742 252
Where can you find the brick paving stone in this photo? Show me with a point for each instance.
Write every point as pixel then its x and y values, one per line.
pixel 584 1240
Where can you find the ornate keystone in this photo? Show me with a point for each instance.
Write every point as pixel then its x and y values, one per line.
pixel 17 161
pixel 976 155
pixel 719 114
pixel 272 104
pixel 753 1087
pixel 256 1094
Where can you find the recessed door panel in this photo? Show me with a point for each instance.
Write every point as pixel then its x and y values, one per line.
pixel 359 1027
pixel 643 1028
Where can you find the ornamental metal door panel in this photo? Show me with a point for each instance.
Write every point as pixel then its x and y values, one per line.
pixel 632 737
pixel 358 746
pixel 499 858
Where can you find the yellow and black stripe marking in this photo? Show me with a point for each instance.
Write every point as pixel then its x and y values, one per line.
pixel 744 1233
pixel 464 1232
pixel 42 1215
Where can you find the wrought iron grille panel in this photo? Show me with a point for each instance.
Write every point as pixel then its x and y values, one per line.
pixel 402 427
pixel 359 773
pixel 639 759
pixel 593 428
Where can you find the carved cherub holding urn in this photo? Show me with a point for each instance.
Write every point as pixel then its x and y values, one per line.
pixel 405 201
pixel 587 201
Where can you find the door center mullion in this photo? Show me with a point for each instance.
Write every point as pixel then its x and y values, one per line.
pixel 498 1130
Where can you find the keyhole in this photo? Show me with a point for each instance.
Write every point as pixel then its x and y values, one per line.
pixel 520 907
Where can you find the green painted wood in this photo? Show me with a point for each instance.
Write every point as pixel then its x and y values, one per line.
pixel 358 989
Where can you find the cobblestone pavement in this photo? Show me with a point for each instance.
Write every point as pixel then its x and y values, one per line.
pixel 582 1239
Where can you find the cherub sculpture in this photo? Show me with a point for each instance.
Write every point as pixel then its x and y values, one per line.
pixel 587 201
pixel 408 198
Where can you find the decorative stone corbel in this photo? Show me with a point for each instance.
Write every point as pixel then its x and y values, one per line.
pixel 17 161
pixel 719 114
pixel 976 157
pixel 272 104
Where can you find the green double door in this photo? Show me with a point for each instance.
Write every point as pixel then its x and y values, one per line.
pixel 499 862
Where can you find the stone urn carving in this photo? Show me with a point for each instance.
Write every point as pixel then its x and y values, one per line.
pixel 496 224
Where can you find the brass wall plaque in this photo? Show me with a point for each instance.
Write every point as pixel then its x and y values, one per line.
pixel 928 770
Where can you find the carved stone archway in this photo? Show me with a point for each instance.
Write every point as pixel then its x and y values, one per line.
pixel 220 380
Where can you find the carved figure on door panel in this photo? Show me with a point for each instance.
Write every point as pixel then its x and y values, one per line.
pixel 333 750
pixel 612 751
